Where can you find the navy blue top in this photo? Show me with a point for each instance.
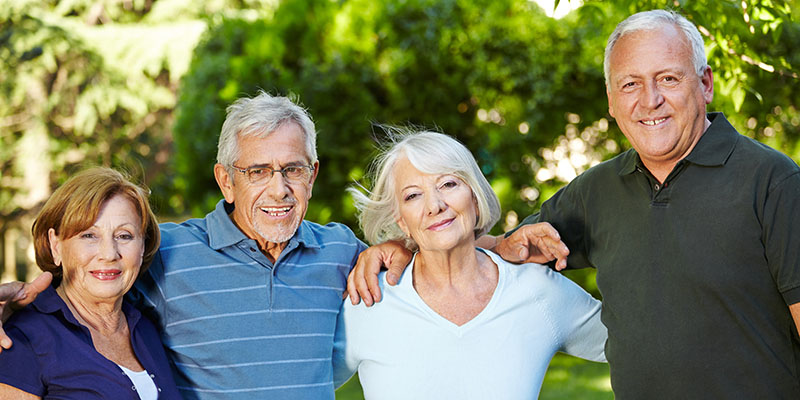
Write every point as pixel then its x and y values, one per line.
pixel 53 356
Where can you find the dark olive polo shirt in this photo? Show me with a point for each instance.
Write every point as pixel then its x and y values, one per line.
pixel 695 274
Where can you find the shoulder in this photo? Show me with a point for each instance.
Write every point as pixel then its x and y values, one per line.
pixel 173 235
pixel 330 235
pixel 330 230
pixel 538 281
pixel 762 157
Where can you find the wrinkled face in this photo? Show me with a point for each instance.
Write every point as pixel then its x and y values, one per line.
pixel 102 262
pixel 270 211
pixel 655 95
pixel 438 211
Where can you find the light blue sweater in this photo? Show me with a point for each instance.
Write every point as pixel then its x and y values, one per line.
pixel 402 349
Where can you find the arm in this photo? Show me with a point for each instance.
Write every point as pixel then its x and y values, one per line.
pixel 12 393
pixel 344 365
pixel 362 283
pixel 795 310
pixel 15 295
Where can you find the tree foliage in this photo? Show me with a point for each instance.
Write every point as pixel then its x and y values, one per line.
pixel 124 83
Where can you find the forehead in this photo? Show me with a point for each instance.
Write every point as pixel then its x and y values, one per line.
pixel 648 51
pixel 283 145
pixel 119 206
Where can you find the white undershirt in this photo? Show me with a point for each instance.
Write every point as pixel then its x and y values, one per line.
pixel 143 383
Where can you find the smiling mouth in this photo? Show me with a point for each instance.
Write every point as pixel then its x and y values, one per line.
pixel 442 224
pixel 276 211
pixel 653 122
pixel 106 274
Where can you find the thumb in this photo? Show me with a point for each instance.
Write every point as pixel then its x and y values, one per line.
pixel 40 283
pixel 395 267
pixel 522 251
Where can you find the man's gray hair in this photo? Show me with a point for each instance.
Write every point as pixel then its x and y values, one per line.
pixel 431 153
pixel 260 116
pixel 655 19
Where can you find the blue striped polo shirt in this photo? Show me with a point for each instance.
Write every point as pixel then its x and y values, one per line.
pixel 237 326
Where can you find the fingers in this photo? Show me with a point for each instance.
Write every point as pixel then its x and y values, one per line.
pixel 539 243
pixel 5 341
pixel 362 283
pixel 17 295
pixel 356 284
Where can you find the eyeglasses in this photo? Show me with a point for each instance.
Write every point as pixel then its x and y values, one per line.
pixel 260 175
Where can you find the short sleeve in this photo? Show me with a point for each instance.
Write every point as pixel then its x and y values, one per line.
pixel 344 363
pixel 577 316
pixel 782 236
pixel 19 365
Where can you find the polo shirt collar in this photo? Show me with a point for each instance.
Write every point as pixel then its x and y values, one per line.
pixel 716 145
pixel 49 302
pixel 222 232
pixel 713 148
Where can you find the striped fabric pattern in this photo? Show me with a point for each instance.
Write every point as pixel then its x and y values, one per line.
pixel 236 326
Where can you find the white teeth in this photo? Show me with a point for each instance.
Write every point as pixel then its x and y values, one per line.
pixel 654 122
pixel 276 211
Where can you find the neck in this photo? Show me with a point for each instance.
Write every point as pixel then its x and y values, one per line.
pixel 272 250
pixel 457 267
pixel 105 317
pixel 661 170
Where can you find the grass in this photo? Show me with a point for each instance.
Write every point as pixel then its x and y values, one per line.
pixel 567 378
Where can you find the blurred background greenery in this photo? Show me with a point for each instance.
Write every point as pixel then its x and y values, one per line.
pixel 142 85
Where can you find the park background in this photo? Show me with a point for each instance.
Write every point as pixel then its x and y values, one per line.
pixel 142 86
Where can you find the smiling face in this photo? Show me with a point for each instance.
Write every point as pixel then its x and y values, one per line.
pixel 438 211
pixel 269 212
pixel 101 262
pixel 656 97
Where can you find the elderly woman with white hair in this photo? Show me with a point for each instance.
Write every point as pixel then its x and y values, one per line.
pixel 461 323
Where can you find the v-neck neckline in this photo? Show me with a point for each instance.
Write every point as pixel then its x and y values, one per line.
pixel 457 330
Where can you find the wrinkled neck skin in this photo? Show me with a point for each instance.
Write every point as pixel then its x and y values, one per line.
pixel 271 250
pixel 105 317
pixel 459 267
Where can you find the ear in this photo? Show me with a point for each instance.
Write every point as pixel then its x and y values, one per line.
pixel 402 225
pixel 313 179
pixel 224 181
pixel 608 96
pixel 55 246
pixel 707 80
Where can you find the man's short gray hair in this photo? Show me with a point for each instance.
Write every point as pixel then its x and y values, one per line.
pixel 655 19
pixel 431 153
pixel 260 116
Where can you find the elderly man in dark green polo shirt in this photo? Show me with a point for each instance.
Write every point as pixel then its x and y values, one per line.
pixel 695 232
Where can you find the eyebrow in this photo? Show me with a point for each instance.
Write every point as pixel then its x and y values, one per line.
pixel 268 165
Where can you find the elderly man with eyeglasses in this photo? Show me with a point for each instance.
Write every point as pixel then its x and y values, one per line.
pixel 247 298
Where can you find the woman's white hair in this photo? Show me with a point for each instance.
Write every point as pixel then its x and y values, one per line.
pixel 430 153
pixel 653 20
pixel 260 116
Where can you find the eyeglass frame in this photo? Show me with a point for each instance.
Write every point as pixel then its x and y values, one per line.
pixel 246 172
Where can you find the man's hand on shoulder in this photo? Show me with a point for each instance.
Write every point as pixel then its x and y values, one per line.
pixel 538 243
pixel 15 295
pixel 362 283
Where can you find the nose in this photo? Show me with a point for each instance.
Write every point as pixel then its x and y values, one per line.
pixel 109 250
pixel 652 97
pixel 434 203
pixel 277 187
